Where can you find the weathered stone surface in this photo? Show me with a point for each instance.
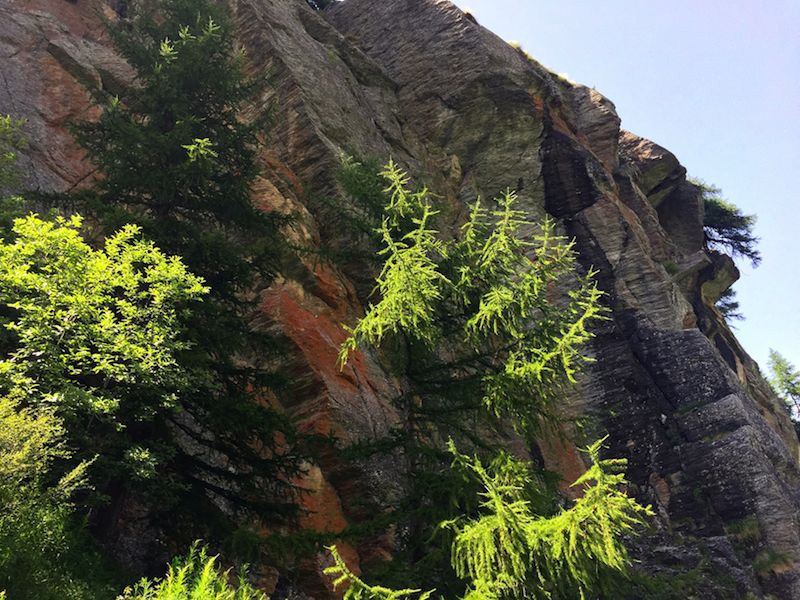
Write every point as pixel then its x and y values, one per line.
pixel 709 446
pixel 658 169
pixel 51 52
pixel 718 277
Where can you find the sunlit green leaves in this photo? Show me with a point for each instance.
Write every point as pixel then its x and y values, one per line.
pixel 195 577
pixel 94 334
pixel 510 552
pixel 357 589
pixel 504 298
pixel 35 521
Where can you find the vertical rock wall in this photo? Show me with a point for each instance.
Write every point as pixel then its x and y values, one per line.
pixel 708 444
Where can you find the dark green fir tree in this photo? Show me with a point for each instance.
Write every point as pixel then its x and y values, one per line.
pixel 175 157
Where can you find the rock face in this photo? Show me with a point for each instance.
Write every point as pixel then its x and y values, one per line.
pixel 708 444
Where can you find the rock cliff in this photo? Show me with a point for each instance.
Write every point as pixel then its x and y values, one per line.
pixel 708 444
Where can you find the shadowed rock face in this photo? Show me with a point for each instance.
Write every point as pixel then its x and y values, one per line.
pixel 709 446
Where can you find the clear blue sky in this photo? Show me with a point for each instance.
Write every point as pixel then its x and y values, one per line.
pixel 717 82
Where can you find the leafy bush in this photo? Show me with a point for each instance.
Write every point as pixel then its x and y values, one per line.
pixel 94 336
pixel 195 577
pixel 43 554
pixel 11 140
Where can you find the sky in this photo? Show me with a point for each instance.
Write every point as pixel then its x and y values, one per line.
pixel 716 82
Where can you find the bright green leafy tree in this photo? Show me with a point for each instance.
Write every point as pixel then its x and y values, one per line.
pixel 42 554
pixel 94 338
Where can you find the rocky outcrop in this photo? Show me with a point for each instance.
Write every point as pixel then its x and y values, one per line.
pixel 708 445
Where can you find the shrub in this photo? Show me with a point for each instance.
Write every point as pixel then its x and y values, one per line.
pixel 194 577
pixel 94 336
pixel 43 554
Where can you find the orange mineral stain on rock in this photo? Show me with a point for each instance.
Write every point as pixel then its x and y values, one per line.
pixel 562 457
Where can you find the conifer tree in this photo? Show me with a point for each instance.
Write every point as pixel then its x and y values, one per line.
pixel 480 330
pixel 785 381
pixel 728 306
pixel 487 297
pixel 509 551
pixel 176 157
pixel 726 227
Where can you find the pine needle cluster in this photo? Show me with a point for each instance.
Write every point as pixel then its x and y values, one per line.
pixel 489 297
pixel 511 552
pixel 358 589
pixel 726 228
pixel 177 154
pixel 195 576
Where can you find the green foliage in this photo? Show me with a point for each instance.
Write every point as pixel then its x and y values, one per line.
pixel 188 182
pixel 94 336
pixel 410 286
pixel 489 297
pixel 176 158
pixel 195 577
pixel 511 552
pixel 365 194
pixel 785 381
pixel 728 306
pixel 357 589
pixel 769 561
pixel 11 140
pixel 481 323
pixel 726 228
pixel 42 553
